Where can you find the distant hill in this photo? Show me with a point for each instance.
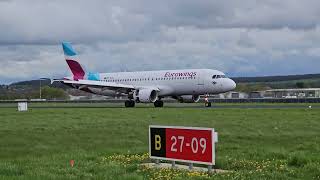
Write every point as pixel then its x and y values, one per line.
pixel 30 90
pixel 262 79
pixel 248 84
pixel 36 83
pixel 275 78
pixel 244 84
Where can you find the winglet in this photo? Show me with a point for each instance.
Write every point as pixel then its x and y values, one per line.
pixel 68 49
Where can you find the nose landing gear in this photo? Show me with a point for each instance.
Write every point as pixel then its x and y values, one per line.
pixel 207 104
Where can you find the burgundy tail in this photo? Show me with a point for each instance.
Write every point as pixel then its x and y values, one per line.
pixel 76 69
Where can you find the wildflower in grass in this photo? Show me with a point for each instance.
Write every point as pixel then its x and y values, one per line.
pixel 153 173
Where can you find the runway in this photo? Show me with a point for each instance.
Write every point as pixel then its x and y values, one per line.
pixel 167 105
pixel 263 107
pixel 250 107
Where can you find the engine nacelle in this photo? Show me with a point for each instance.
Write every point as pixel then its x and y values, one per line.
pixel 145 95
pixel 189 98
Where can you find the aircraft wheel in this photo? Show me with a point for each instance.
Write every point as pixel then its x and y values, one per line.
pixel 208 104
pixel 129 103
pixel 158 103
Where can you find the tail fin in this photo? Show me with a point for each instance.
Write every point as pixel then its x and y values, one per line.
pixel 72 61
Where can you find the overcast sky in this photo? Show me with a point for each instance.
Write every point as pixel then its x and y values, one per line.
pixel 238 37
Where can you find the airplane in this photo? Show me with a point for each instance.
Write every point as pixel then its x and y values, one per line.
pixel 184 85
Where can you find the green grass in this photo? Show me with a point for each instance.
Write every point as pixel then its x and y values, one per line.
pixel 253 143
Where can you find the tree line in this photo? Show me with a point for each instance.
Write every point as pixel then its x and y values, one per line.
pixel 49 93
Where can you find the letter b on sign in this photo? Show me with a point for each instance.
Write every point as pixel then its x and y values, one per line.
pixel 158 142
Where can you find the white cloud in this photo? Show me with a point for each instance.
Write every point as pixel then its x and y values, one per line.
pixel 239 37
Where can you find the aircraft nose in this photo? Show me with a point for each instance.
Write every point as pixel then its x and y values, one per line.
pixel 232 84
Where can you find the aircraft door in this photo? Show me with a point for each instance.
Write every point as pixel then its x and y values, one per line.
pixel 200 84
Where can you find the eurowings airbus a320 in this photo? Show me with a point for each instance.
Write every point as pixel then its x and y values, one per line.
pixel 185 85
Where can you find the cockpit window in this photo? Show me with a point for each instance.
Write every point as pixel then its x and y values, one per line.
pixel 218 76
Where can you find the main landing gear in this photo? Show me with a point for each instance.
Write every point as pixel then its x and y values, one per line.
pixel 158 103
pixel 129 103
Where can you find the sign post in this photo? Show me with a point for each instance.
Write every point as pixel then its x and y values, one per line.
pixel 184 144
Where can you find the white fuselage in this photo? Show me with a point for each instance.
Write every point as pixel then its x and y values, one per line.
pixel 171 82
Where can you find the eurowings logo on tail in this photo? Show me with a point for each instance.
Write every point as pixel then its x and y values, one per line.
pixel 71 58
pixel 74 65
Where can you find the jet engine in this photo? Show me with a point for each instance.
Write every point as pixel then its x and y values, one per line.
pixel 145 95
pixel 189 98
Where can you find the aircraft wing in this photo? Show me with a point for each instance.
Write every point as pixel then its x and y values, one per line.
pixel 82 84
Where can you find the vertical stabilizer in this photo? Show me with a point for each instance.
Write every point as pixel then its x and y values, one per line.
pixel 72 61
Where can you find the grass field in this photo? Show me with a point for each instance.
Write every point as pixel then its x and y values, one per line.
pixel 253 143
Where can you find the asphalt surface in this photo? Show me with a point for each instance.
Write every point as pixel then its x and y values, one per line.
pixel 251 107
pixel 264 107
pixel 173 105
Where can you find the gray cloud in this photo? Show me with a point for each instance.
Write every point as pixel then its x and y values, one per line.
pixel 239 37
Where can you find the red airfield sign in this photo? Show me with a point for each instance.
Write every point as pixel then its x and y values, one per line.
pixel 185 144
